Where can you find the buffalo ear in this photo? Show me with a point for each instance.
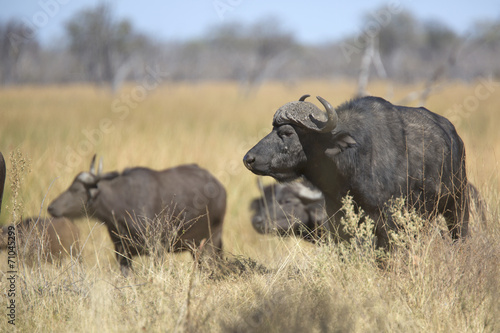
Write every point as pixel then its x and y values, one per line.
pixel 87 178
pixel 93 192
pixel 348 140
pixel 341 144
pixel 331 152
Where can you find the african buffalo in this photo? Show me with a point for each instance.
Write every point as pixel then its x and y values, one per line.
pixel 374 151
pixel 52 238
pixel 183 206
pixel 289 209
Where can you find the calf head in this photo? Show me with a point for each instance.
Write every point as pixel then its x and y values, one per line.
pixel 287 209
pixel 75 201
pixel 18 231
pixel 281 153
pixel 5 232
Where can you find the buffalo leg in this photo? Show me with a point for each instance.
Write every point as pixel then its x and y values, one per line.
pixel 123 255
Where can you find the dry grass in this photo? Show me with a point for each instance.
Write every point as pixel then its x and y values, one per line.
pixel 429 284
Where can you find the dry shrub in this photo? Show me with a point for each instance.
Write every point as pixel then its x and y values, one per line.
pixel 449 284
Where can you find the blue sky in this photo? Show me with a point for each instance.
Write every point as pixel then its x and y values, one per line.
pixel 311 21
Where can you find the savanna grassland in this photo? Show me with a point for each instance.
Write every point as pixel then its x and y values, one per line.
pixel 428 284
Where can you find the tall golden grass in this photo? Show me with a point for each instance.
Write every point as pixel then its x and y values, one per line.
pixel 429 283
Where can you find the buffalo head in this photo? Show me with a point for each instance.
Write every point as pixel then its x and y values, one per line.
pixel 280 154
pixel 75 201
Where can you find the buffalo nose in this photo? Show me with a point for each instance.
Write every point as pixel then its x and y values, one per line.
pixel 51 210
pixel 248 160
pixel 258 224
pixel 258 221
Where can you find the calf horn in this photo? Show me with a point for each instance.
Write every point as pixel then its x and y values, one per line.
pixel 92 166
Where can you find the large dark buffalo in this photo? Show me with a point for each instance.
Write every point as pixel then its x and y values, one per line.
pixel 373 150
pixel 289 209
pixel 184 205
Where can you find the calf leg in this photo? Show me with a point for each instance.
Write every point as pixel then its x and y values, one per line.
pixel 457 217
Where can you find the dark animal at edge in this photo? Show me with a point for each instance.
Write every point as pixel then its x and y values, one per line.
pixel 3 173
pixel 289 209
pixel 186 202
pixel 50 237
pixel 373 150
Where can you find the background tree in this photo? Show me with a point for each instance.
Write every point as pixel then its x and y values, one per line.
pixel 18 45
pixel 480 55
pixel 106 49
pixel 101 49
pixel 254 52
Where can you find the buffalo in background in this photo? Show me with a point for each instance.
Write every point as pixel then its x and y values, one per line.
pixel 298 209
pixel 373 150
pixel 183 208
pixel 289 209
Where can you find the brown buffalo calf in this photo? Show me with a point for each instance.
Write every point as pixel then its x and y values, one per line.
pixel 47 238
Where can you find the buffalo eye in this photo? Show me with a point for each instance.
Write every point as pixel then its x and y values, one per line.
pixel 285 132
pixel 74 190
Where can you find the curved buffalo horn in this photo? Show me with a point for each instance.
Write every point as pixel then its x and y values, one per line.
pixel 92 165
pixel 304 114
pixel 303 98
pixel 331 123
